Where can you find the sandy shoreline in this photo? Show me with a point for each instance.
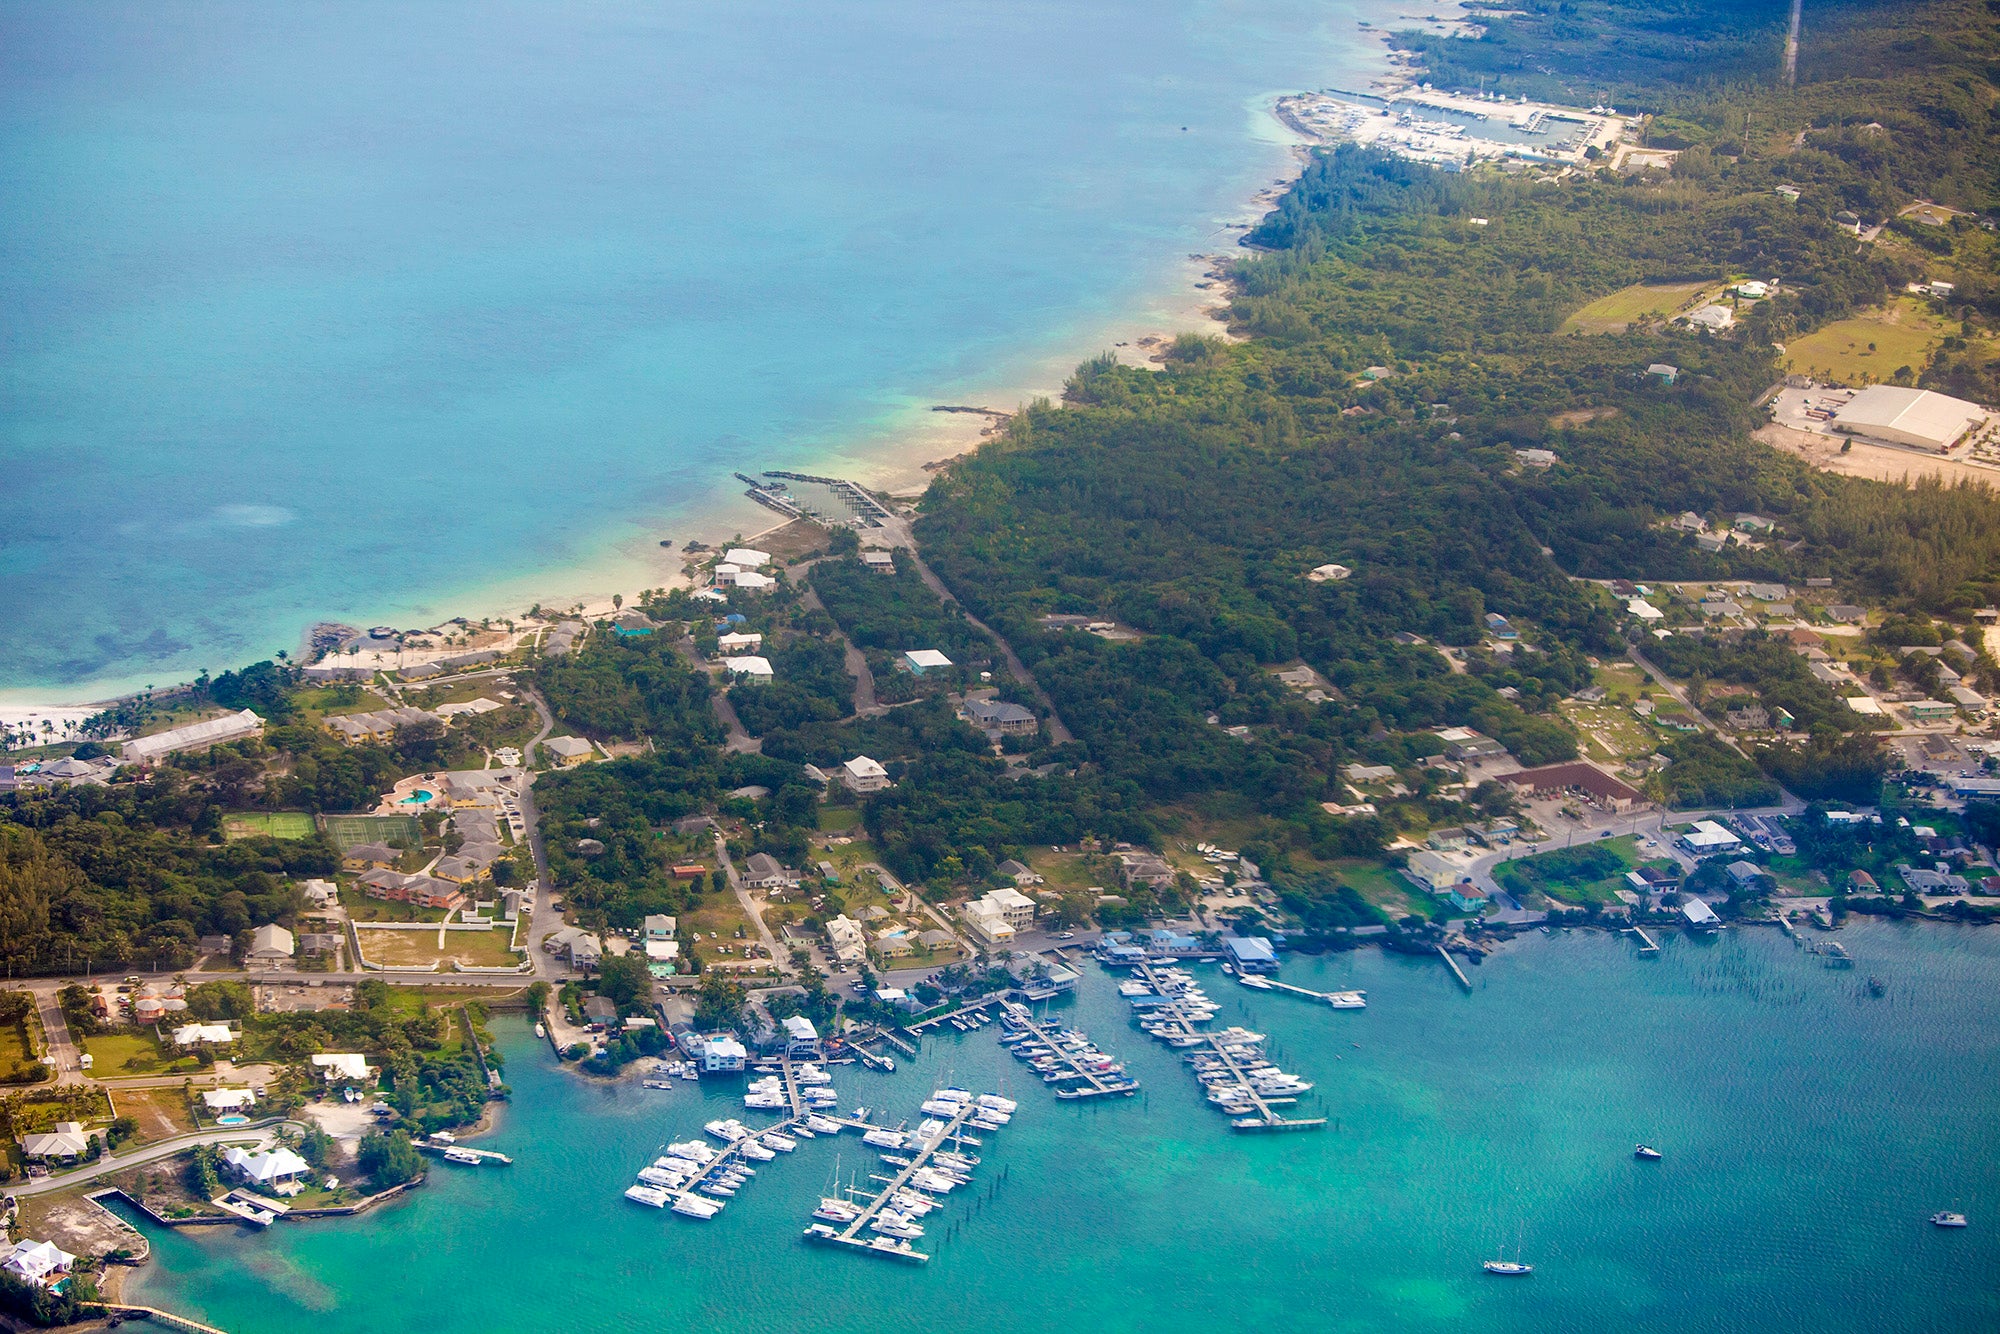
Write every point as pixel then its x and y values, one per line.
pixel 1190 298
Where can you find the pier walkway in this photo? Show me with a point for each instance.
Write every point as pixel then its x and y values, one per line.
pixel 849 1235
pixel 1191 1039
pixel 1452 964
pixel 1094 1084
pixel 1339 1000
pixel 484 1155
pixel 1647 945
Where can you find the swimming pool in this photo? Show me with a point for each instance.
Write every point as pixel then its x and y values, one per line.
pixel 232 1120
pixel 418 798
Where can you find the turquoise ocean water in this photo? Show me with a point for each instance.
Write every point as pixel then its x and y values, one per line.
pixel 339 309
pixel 1809 1131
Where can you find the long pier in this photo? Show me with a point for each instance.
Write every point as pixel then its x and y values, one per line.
pixel 1339 999
pixel 1452 964
pixel 849 1235
pixel 1096 1085
pixel 1192 1039
pixel 966 1008
pixel 1647 945
pixel 484 1155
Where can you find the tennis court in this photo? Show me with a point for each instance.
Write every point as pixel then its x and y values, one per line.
pixel 348 832
pixel 267 824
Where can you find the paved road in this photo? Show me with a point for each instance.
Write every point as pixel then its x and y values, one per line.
pixel 62 1054
pixel 149 1153
pixel 751 908
pixel 1646 824
pixel 897 531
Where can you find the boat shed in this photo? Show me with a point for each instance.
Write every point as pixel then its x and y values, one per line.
pixel 1250 954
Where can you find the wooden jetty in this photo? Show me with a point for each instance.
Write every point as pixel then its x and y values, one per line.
pixel 1333 998
pixel 1452 964
pixel 484 1155
pixel 1092 1084
pixel 969 1007
pixel 1646 943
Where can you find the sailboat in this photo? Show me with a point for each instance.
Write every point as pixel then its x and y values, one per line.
pixel 1509 1268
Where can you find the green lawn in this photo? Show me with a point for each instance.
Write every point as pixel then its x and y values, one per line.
pixel 364 909
pixel 16 1048
pixel 1616 312
pixel 133 1052
pixel 1384 888
pixel 839 819
pixel 1870 348
pixel 1607 731
pixel 1590 872
pixel 267 824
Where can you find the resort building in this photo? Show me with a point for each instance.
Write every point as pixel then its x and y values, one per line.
pixel 1015 908
pixel 370 854
pixel 720 1054
pixel 862 774
pixel 194 736
pixel 988 922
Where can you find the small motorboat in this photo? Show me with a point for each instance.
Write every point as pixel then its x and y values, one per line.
pixel 1946 1218
pixel 1647 1153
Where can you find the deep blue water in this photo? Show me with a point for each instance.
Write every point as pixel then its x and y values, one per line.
pixel 369 311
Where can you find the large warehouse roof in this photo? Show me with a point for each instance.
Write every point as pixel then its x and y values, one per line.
pixel 1907 416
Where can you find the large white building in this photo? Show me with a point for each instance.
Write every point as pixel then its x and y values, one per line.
pixel 194 736
pixel 1707 839
pixel 1914 417
pixel 864 775
pixel 844 937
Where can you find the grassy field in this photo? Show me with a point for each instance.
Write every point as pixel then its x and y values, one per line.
pixel 1556 873
pixel 1869 349
pixel 161 1113
pixel 364 909
pixel 839 819
pixel 17 1049
pixel 1384 888
pixel 418 949
pixel 1607 731
pixel 1616 312
pixel 351 831
pixel 267 824
pixel 132 1053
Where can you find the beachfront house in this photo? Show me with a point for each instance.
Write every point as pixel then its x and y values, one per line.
pixel 801 1038
pixel 277 1171
pixel 720 1054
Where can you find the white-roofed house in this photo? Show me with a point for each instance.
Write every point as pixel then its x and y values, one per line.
pixel 862 774
pixel 42 1263
pixel 801 1038
pixel 844 937
pixel 988 920
pixel 320 893
pixel 228 1100
pixel 763 871
pixel 204 1035
pixel 921 660
pixel 348 1066
pixel 276 1170
pixel 739 642
pixel 1707 839
pixel 64 1141
pixel 750 665
pixel 746 558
